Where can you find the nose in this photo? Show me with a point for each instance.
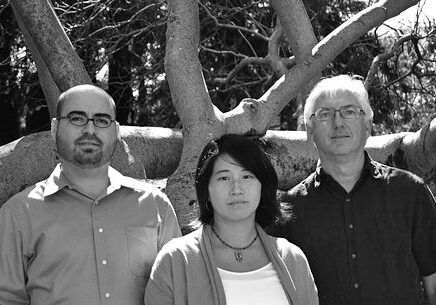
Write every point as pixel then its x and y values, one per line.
pixel 89 127
pixel 236 187
pixel 337 118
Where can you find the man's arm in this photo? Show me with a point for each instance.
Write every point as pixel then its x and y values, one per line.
pixel 170 226
pixel 12 277
pixel 430 288
pixel 424 240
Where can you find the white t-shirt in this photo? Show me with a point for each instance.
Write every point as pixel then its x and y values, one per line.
pixel 257 287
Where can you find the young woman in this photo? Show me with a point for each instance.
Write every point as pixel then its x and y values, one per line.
pixel 230 259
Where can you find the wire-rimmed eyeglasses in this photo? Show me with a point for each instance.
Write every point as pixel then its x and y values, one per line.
pixel 348 112
pixel 80 119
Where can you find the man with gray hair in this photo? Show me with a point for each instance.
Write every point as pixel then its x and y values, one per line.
pixel 367 229
pixel 87 234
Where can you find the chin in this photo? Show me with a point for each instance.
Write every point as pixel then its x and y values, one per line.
pixel 89 163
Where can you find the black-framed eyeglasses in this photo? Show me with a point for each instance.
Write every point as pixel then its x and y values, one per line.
pixel 348 112
pixel 80 119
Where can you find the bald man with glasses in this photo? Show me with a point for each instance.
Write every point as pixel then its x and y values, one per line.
pixel 87 234
pixel 367 229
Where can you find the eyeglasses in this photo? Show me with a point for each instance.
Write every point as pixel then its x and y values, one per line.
pixel 80 119
pixel 348 112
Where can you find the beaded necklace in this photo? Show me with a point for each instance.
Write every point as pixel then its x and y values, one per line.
pixel 238 252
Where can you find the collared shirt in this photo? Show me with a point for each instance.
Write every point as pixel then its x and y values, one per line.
pixel 59 246
pixel 369 246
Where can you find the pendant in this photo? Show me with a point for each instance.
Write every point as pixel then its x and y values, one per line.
pixel 238 255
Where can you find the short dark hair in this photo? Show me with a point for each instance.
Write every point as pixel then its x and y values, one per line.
pixel 251 157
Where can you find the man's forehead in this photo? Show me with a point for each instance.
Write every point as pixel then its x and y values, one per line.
pixel 88 101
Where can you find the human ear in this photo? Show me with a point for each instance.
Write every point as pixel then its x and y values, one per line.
pixel 117 130
pixel 309 132
pixel 368 128
pixel 54 128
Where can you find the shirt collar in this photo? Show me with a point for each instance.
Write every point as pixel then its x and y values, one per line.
pixel 370 167
pixel 57 181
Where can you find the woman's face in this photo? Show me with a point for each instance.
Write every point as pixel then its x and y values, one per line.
pixel 233 191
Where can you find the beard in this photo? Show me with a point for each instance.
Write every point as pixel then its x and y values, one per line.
pixel 86 158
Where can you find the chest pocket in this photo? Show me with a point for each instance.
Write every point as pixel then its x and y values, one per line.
pixel 142 249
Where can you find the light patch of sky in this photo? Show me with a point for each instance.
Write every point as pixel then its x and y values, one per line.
pixel 103 73
pixel 408 17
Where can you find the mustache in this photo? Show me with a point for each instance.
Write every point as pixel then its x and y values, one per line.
pixel 92 138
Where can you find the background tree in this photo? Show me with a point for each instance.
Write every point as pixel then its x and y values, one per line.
pixel 10 96
pixel 122 45
pixel 242 52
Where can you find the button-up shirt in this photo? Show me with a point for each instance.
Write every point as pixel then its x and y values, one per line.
pixel 59 246
pixel 369 246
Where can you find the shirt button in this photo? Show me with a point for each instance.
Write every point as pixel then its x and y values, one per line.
pixel 104 262
pixel 348 200
pixel 353 256
pixel 100 230
pixel 107 295
pixel 350 226
pixel 356 285
pixel 96 202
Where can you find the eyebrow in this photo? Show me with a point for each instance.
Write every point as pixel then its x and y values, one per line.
pixel 85 114
pixel 102 114
pixel 221 171
pixel 76 112
pixel 227 171
pixel 339 107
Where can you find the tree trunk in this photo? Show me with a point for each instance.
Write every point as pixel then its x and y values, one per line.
pixel 44 31
pixel 292 155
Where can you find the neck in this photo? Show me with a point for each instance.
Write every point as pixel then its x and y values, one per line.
pixel 236 234
pixel 91 182
pixel 345 170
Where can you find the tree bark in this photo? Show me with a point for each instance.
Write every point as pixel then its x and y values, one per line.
pixel 201 120
pixel 51 43
pixel 299 33
pixel 48 85
pixel 326 50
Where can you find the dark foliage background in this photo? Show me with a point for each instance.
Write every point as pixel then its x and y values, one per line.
pixel 122 44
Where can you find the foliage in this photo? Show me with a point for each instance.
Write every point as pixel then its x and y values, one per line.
pixel 122 44
pixel 20 94
pixel 403 96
